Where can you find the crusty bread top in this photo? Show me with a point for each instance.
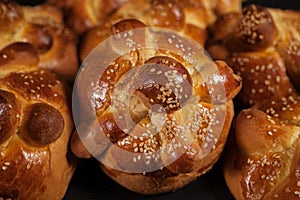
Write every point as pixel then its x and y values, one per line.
pixel 35 128
pixel 44 28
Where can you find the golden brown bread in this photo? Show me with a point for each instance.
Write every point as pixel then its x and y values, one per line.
pixel 258 40
pixel 85 14
pixel 188 17
pixel 43 27
pixel 35 127
pixel 82 15
pixel 262 46
pixel 173 132
pixel 264 77
pixel 264 162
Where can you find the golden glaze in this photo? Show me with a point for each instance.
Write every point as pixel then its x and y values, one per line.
pixel 35 128
pixel 43 27
pixel 179 123
pixel 262 46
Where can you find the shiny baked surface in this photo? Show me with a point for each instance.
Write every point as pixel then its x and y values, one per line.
pixel 209 187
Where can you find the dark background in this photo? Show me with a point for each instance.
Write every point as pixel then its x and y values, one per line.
pixel 89 183
pixel 284 4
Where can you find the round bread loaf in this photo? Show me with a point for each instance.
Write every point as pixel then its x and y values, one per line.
pixel 150 116
pixel 35 127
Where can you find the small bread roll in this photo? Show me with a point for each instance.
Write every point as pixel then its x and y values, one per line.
pixel 262 45
pixel 44 28
pixel 262 160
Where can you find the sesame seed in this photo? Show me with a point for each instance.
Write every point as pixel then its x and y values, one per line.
pixel 267 82
pixel 297 193
pixel 261 90
pixel 270 133
pixel 287 190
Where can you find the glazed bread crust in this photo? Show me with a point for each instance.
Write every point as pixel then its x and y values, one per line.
pixel 35 127
pixel 190 18
pixel 262 46
pixel 44 28
pixel 85 14
pixel 178 133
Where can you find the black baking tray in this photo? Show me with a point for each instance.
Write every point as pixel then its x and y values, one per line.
pixel 90 183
